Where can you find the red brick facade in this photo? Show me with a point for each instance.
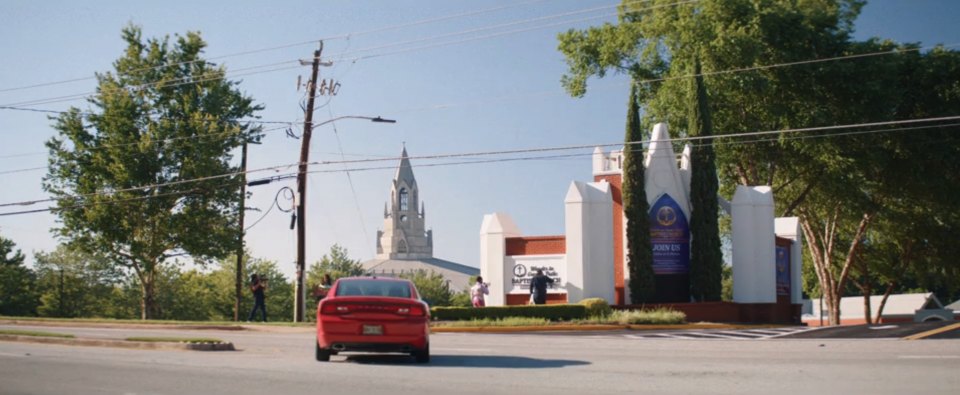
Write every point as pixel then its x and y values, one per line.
pixel 536 245
pixel 522 299
pixel 618 247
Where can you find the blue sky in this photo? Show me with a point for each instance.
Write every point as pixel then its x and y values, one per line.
pixel 491 89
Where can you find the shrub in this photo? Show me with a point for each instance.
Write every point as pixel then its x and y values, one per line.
pixel 506 322
pixel 659 316
pixel 596 307
pixel 553 312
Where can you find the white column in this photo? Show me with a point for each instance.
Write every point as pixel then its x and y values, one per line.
pixel 589 242
pixel 495 229
pixel 754 245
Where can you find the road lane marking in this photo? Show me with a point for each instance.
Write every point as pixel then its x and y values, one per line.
pixel 928 356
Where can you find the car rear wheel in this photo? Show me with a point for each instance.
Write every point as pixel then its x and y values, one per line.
pixel 422 356
pixel 322 355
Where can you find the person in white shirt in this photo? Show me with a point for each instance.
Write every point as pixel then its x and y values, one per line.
pixel 477 291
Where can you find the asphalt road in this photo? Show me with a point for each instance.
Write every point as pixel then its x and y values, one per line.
pixel 605 363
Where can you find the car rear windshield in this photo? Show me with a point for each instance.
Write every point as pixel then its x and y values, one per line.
pixel 392 289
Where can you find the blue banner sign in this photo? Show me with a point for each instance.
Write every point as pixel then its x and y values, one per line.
pixel 670 236
pixel 783 271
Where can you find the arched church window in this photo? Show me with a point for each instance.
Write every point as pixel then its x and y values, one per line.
pixel 404 199
pixel 402 248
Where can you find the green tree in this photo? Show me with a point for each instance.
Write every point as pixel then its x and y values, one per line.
pixel 726 294
pixel 839 185
pixel 123 172
pixel 279 295
pixel 18 295
pixel 337 264
pixel 74 284
pixel 636 209
pixel 433 287
pixel 706 259
pixel 188 295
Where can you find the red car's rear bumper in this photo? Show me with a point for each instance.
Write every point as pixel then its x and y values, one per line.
pixel 346 334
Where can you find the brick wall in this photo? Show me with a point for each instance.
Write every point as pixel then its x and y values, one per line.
pixel 522 299
pixel 536 245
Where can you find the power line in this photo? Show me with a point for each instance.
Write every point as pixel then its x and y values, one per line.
pixel 502 25
pixel 495 160
pixel 167 140
pixel 353 190
pixel 801 62
pixel 290 45
pixel 112 201
pixel 83 95
pixel 23 170
pixel 161 84
pixel 276 203
pixel 505 152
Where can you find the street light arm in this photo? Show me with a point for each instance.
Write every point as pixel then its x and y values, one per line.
pixel 372 119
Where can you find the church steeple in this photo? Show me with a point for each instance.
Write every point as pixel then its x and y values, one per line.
pixel 404 235
pixel 405 171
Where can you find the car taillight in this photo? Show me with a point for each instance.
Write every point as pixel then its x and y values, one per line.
pixel 331 309
pixel 416 311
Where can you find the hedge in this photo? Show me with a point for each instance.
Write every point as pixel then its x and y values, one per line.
pixel 552 312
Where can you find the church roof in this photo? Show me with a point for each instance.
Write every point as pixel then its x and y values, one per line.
pixel 458 274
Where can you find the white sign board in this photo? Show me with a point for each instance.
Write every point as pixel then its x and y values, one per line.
pixel 522 268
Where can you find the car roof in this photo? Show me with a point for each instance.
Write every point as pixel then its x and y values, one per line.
pixel 362 278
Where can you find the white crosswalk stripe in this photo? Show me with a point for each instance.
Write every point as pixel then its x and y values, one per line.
pixel 724 334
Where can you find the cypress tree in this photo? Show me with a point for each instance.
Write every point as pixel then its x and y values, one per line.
pixel 636 209
pixel 706 259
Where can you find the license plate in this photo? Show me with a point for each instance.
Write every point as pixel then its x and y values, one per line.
pixel 372 330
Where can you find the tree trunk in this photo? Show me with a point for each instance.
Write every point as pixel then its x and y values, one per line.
pixel 883 301
pixel 821 246
pixel 867 316
pixel 147 302
pixel 833 307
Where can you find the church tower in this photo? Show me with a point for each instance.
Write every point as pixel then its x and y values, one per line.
pixel 404 235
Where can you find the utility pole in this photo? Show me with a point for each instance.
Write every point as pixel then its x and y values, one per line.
pixel 243 205
pixel 298 310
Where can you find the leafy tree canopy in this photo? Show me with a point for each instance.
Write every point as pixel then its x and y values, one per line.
pixel 123 172
pixel 17 282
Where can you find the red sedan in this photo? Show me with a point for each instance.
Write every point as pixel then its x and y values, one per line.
pixel 370 314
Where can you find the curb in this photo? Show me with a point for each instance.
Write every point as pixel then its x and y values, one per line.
pixel 932 332
pixel 516 329
pixel 121 343
pixel 577 328
pixel 122 325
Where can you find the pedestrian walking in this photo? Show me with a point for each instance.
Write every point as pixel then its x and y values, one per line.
pixel 477 291
pixel 258 286
pixel 538 287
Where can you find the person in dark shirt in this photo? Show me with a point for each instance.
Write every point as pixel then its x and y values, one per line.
pixel 538 287
pixel 258 286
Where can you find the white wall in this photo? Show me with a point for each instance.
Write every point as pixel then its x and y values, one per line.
pixel 528 265
pixel 588 208
pixel 495 229
pixel 754 245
